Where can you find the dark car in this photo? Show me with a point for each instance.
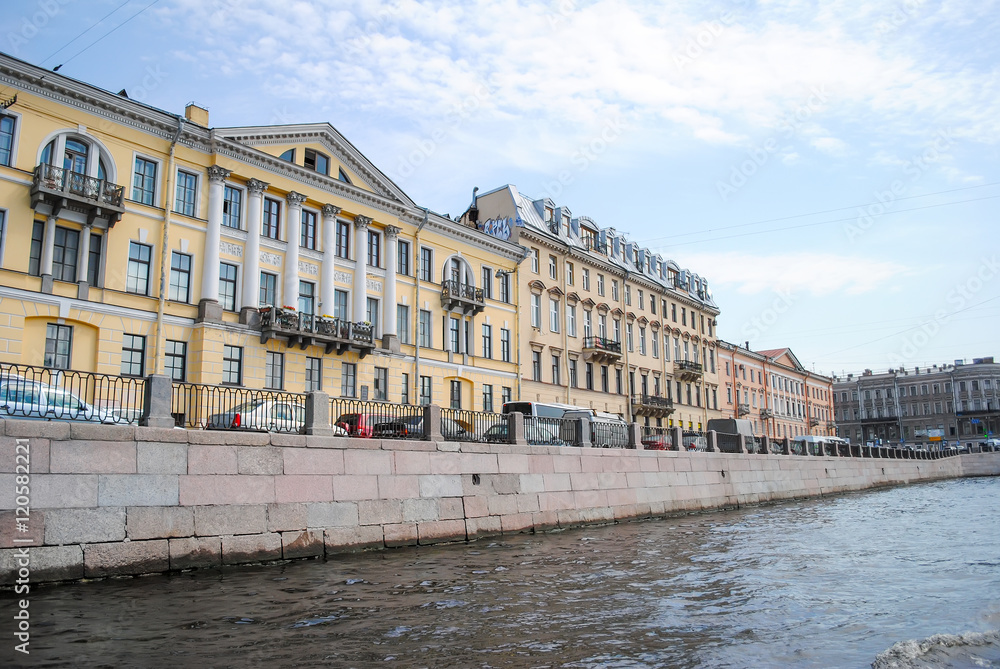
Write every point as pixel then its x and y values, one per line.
pixel 412 427
pixel 534 434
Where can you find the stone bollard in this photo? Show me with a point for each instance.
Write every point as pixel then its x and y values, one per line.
pixel 765 444
pixel 318 414
pixel 712 437
pixel 157 397
pixel 585 437
pixel 635 436
pixel 432 423
pixel 677 438
pixel 743 443
pixel 515 429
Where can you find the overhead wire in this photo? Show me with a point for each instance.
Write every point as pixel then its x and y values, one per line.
pixel 49 57
pixel 120 25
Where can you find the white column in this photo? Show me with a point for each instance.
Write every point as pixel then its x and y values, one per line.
pixel 361 224
pixel 389 306
pixel 293 224
pixel 83 258
pixel 327 280
pixel 251 255
pixel 213 234
pixel 48 246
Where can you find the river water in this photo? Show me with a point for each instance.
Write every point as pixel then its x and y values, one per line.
pixel 820 583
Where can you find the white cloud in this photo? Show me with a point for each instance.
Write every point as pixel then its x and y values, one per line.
pixel 829 145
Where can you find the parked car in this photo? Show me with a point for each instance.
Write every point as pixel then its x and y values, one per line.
pixel 658 442
pixel 261 415
pixel 537 435
pixel 413 427
pixel 359 424
pixel 20 398
pixel 607 430
pixel 694 441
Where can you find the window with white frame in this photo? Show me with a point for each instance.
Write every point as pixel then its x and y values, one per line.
pixel 185 200
pixel 425 390
pixel 553 315
pixel 374 248
pixel 553 271
pixel 343 245
pixel 271 219
pixel 348 379
pixel 426 264
pixel 381 384
pixel 314 374
pixel 232 365
pixel 307 231
pixel 371 313
pixel 58 346
pixel 402 257
pixel 487 340
pixel 340 304
pixel 227 286
pixel 232 208
pixel 175 360
pixel 144 181
pixel 487 397
pixel 307 297
pixel 505 344
pixel 137 273
pixel 487 282
pixel 180 277
pixel 65 251
pixel 274 370
pixel 424 336
pixel 536 311
pixel 571 320
pixel 133 355
pixel 403 323
pixel 7 126
pixel 268 289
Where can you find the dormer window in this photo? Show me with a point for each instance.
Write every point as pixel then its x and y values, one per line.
pixel 288 155
pixel 548 214
pixel 315 160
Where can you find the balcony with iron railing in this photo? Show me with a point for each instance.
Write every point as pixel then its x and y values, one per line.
pixel 766 413
pixel 743 410
pixel 652 405
pixel 463 297
pixel 59 188
pixel 593 244
pixel 334 334
pixel 813 422
pixel 601 349
pixel 688 370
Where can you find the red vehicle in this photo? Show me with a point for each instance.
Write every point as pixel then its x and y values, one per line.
pixel 358 424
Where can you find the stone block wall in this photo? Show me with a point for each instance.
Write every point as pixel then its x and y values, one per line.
pixel 108 500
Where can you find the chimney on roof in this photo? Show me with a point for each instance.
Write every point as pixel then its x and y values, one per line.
pixel 196 114
pixel 748 345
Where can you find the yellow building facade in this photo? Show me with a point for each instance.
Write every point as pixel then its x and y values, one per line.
pixel 136 241
pixel 604 322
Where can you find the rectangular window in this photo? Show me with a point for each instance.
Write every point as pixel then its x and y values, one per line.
pixel 426 264
pixel 487 283
pixel 505 288
pixel 618 381
pixel 340 304
pixel 374 249
pixel 553 315
pixel 487 397
pixel 307 297
pixel 600 285
pixel 315 160
pixel 268 289
pixel 271 222
pixel 314 374
pixel 187 191
pixel 553 272
pixel 232 208
pixel 585 278
pixel 175 360
pixel 137 277
pixel 381 384
pixel 425 328
pixel 180 277
pixel 506 394
pixel 232 365
pixel 58 345
pixel 227 286
pixel 403 257
pixel 455 395
pixel 307 231
pixel 487 341
pixel 348 379
pixel 614 290
pixel 536 366
pixel 404 394
pixel 604 378
pixel 505 344
pixel 453 334
pixel 425 390
pixel 536 311
pixel 65 251
pixel 571 320
pixel 94 261
pixel 534 260
pixel 144 182
pixel 35 251
pixel 274 370
pixel 133 355
pixel 7 124
pixel 403 323
pixel 372 312
pixel 588 370
pixel 642 341
pixel 343 239
pixel 628 295
pixel 572 373
pixel 569 273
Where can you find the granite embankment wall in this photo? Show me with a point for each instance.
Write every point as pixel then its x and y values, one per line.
pixel 110 500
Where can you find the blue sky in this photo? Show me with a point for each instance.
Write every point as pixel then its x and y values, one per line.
pixel 830 167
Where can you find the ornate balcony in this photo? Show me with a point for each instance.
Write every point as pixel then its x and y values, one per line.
pixel 688 371
pixel 651 405
pixel 813 422
pixel 592 244
pixel 743 410
pixel 463 297
pixel 602 349
pixel 99 200
pixel 311 330
pixel 766 413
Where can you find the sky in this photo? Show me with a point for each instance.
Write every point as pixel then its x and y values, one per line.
pixel 830 167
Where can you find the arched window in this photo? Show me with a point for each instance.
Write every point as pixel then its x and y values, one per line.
pixel 80 154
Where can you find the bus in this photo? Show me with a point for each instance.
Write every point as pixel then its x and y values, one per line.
pixel 813 445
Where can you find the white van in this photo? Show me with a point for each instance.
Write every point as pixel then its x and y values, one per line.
pixel 607 430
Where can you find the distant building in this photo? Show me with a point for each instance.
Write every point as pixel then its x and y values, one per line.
pixel 775 392
pixel 603 322
pixel 921 406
